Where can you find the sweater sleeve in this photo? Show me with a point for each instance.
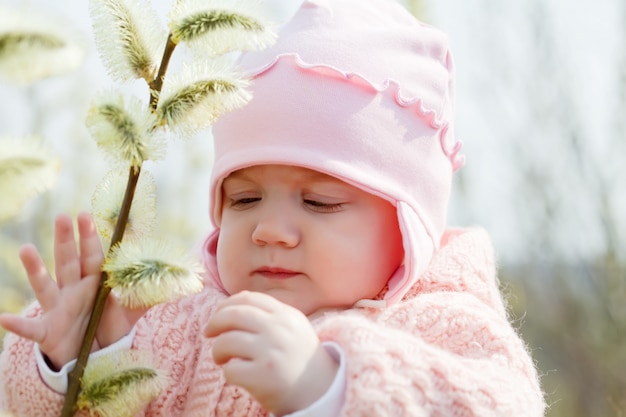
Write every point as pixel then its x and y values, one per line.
pixel 57 380
pixel 328 405
pixel 446 349
pixel 22 391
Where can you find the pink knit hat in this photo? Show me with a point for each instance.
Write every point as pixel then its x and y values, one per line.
pixel 362 91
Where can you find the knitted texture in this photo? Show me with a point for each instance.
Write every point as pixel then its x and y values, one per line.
pixel 447 349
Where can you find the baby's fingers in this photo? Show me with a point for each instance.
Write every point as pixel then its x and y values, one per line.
pixel 67 264
pixel 235 344
pixel 45 289
pixel 236 317
pixel 91 256
pixel 23 327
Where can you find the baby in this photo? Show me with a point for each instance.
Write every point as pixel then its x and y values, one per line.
pixel 334 287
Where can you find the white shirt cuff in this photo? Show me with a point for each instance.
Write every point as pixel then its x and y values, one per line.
pixel 329 404
pixel 57 381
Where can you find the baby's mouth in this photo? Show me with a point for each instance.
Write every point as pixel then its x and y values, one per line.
pixel 276 272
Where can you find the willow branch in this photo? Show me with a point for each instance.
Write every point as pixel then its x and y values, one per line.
pixel 157 83
pixel 75 376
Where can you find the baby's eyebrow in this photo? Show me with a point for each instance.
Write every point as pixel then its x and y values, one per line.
pixel 307 175
pixel 236 174
pixel 318 177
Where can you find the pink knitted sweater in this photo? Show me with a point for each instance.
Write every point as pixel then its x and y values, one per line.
pixel 447 349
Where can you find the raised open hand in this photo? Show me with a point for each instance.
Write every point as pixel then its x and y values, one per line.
pixel 270 349
pixel 67 303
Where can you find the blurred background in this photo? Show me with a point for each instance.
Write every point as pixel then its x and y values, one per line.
pixel 541 109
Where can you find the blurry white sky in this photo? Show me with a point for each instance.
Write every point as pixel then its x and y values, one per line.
pixel 492 114
pixel 499 48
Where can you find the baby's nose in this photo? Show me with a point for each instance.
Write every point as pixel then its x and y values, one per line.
pixel 276 228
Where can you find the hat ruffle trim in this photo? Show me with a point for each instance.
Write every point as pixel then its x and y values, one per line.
pixel 449 145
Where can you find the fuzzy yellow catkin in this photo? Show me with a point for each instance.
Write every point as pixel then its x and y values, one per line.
pixel 148 272
pixel 26 169
pixel 195 97
pixel 120 384
pixel 128 36
pixel 218 26
pixel 107 199
pixel 173 110
pixel 208 21
pixel 33 47
pixel 124 128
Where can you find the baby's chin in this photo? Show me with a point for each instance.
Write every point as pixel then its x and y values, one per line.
pixel 323 311
pixel 306 306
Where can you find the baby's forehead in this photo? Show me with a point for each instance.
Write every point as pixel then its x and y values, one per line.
pixel 281 171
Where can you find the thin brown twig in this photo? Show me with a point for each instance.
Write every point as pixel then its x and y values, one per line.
pixel 75 376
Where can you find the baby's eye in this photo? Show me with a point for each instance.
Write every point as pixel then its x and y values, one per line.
pixel 323 207
pixel 243 202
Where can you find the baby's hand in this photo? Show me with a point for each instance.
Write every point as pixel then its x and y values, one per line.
pixel 271 350
pixel 67 303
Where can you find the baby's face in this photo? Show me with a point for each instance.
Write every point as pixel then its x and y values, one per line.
pixel 306 238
